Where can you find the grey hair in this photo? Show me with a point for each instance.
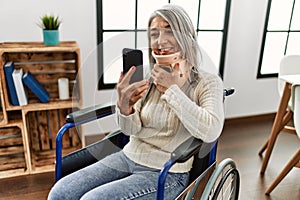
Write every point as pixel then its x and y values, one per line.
pixel 183 31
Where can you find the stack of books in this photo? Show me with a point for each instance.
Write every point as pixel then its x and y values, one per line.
pixel 15 81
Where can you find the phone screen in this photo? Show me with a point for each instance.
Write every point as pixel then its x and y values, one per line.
pixel 133 57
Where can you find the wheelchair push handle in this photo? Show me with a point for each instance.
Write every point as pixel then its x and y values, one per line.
pixel 228 91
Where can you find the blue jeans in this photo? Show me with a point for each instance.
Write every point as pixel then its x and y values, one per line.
pixel 117 177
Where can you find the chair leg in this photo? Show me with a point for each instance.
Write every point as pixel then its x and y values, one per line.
pixel 263 148
pixel 292 163
pixel 269 148
pixel 276 126
pixel 287 117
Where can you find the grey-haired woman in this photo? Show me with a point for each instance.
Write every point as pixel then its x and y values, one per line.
pixel 158 114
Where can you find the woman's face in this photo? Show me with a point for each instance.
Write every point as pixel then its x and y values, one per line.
pixel 162 39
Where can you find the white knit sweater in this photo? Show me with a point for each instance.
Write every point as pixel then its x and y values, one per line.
pixel 166 120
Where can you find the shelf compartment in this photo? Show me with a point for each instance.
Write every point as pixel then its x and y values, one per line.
pixel 43 126
pixel 11 150
pixel 46 64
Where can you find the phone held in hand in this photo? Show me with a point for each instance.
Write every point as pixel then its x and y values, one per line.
pixel 133 57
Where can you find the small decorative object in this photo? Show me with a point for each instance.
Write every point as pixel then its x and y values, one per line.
pixel 50 25
pixel 63 88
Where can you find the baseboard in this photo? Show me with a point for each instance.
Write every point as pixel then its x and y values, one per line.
pixel 252 118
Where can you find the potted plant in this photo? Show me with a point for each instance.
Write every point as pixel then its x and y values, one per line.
pixel 50 25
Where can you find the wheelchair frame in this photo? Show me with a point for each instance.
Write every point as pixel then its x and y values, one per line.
pixel 186 150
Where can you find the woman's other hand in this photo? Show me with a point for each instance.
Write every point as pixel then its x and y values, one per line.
pixel 129 94
pixel 163 79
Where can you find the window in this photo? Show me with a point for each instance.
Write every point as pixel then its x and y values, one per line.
pixel 125 26
pixel 281 35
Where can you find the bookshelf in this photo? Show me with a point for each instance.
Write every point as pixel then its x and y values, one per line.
pixel 27 133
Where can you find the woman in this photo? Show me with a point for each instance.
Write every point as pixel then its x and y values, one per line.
pixel 177 102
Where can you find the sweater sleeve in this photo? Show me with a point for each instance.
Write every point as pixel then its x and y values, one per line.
pixel 203 116
pixel 129 124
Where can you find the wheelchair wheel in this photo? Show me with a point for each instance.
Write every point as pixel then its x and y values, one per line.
pixel 224 183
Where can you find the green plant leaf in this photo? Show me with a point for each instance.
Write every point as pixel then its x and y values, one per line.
pixel 49 22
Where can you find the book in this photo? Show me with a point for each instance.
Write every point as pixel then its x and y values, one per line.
pixel 21 92
pixel 36 87
pixel 8 70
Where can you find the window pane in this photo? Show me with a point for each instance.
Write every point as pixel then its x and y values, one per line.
pixel 273 52
pixel 191 7
pixel 112 71
pixel 142 44
pixel 280 15
pixel 112 53
pixel 212 14
pixel 142 40
pixel 211 42
pixel 145 9
pixel 118 14
pixel 293 44
pixel 296 17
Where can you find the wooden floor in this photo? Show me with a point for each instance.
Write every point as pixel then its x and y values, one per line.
pixel 240 141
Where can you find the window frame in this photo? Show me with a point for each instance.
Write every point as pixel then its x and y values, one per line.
pixel 100 31
pixel 264 38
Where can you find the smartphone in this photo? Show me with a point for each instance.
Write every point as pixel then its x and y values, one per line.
pixel 133 57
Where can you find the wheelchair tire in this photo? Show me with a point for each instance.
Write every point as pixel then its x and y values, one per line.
pixel 224 177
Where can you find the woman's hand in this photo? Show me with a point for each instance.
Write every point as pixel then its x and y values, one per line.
pixel 163 79
pixel 129 94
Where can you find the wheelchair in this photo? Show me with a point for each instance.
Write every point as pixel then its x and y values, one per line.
pixel 207 179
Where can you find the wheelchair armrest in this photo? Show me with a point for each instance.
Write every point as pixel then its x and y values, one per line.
pixel 186 150
pixel 90 113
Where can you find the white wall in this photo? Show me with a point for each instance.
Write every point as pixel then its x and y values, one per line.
pixel 253 96
pixel 18 20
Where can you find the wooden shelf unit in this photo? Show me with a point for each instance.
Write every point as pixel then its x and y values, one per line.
pixel 27 133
